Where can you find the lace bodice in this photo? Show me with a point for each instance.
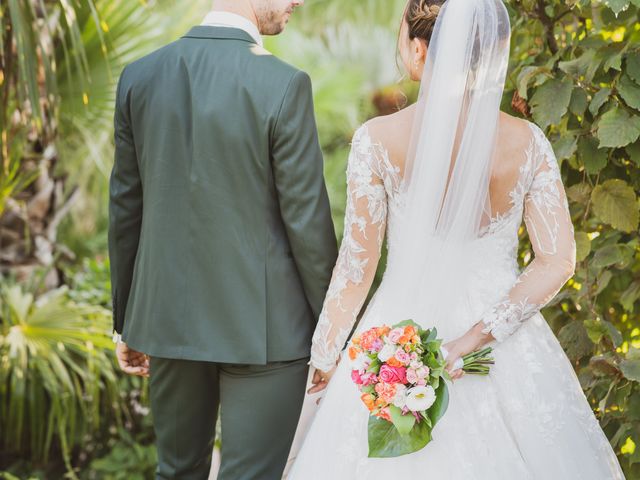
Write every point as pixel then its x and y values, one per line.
pixel 374 200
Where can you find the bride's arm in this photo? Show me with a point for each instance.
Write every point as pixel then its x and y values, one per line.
pixel 364 228
pixel 551 232
pixel 552 237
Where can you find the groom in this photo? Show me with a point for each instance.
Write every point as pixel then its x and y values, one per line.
pixel 220 239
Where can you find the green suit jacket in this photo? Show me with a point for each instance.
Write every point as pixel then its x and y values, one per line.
pixel 220 239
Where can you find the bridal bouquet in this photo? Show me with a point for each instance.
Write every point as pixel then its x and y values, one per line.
pixel 400 373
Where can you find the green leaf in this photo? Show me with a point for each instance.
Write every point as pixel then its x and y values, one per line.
pixel 579 102
pixel 629 91
pixel 583 246
pixel 614 333
pixel 439 407
pixel 630 295
pixel 603 365
pixel 598 100
pixel 617 5
pixel 617 128
pixel 633 65
pixel 576 342
pixel 579 193
pixel 634 152
pixel 526 75
pixel 607 256
pixel 631 369
pixel 551 101
pixel 404 423
pixel 565 147
pixel 581 66
pixel 597 329
pixel 614 202
pixel 593 158
pixel 407 323
pixel 386 442
pixel 603 281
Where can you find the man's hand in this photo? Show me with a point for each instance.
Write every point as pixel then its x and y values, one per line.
pixel 321 380
pixel 131 361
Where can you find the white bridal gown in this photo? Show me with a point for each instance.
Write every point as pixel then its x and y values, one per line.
pixel 529 419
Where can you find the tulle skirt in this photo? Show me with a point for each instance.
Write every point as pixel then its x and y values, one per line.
pixel 528 419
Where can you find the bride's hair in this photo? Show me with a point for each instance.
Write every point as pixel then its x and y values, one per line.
pixel 421 16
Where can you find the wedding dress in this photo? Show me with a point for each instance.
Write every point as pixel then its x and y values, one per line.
pixel 528 419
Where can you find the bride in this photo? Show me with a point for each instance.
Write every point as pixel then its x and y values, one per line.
pixel 449 181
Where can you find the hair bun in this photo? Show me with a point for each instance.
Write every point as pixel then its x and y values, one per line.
pixel 421 15
pixel 427 11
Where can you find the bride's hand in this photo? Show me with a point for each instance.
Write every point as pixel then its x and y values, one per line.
pixel 321 380
pixel 471 341
pixel 454 349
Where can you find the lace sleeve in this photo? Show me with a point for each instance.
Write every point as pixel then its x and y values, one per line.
pixel 551 232
pixel 364 228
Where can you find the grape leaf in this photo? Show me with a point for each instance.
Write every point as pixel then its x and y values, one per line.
pixel 617 128
pixel 551 101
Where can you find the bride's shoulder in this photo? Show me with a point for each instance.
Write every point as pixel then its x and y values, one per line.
pixel 388 132
pixel 516 134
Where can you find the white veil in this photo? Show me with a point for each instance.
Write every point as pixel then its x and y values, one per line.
pixel 448 168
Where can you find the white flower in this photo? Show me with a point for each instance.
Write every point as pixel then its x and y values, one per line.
pixel 361 362
pixel 400 400
pixel 420 398
pixel 387 352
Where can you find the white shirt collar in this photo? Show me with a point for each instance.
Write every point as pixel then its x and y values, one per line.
pixel 232 20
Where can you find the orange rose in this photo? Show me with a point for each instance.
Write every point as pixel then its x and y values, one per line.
pixel 415 339
pixel 383 330
pixel 369 401
pixel 404 339
pixel 394 362
pixel 353 352
pixel 409 331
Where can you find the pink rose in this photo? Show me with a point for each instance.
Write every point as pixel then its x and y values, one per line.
pixel 412 377
pixel 377 345
pixel 389 374
pixel 356 377
pixel 423 372
pixel 395 334
pixel 368 379
pixel 403 357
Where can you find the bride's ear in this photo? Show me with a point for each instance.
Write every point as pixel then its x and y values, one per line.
pixel 419 50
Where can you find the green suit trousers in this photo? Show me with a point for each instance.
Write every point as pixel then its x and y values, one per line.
pixel 260 404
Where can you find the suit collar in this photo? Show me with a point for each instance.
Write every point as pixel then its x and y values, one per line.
pixel 223 33
pixel 218 18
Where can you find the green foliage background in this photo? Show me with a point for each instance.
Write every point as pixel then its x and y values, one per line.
pixel 575 62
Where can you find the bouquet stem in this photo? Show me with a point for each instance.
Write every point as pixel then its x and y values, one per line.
pixel 477 363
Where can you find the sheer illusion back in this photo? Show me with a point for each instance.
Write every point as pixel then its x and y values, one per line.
pixel 524 184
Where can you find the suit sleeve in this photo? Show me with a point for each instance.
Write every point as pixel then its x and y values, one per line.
pixel 125 209
pixel 304 204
